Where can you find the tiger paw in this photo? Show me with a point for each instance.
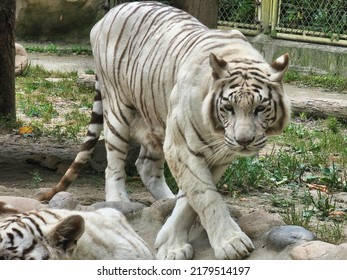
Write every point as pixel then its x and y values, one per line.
pixel 184 252
pixel 235 247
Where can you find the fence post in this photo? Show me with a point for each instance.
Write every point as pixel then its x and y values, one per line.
pixel 266 6
pixel 274 17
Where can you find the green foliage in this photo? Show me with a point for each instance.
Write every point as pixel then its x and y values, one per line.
pixel 44 96
pixel 243 11
pixel 330 82
pixel 36 179
pixel 58 50
pixel 329 17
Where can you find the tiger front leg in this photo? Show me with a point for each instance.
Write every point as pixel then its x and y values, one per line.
pixel 172 242
pixel 195 180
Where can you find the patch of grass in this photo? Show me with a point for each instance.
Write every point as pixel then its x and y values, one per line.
pixel 330 82
pixel 53 103
pixel 36 179
pixel 59 49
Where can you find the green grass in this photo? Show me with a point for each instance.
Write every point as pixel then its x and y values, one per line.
pixel 329 82
pixel 58 108
pixel 58 49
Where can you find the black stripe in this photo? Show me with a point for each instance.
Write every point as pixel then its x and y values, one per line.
pixel 29 249
pixel 197 154
pixel 19 233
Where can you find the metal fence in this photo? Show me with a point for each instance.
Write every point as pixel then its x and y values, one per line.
pixel 321 21
pixel 244 15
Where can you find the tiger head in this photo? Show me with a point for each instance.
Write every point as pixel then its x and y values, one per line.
pixel 22 238
pixel 246 102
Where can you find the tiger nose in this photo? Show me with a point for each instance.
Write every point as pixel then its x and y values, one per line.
pixel 244 141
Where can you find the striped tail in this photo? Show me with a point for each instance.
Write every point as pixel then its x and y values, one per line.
pixel 94 131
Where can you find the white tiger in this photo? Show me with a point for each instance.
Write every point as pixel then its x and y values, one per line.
pixel 65 235
pixel 192 96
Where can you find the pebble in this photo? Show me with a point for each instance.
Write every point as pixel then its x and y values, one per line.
pixel 282 236
pixel 63 200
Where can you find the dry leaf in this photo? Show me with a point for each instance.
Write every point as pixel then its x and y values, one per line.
pixel 321 188
pixel 25 130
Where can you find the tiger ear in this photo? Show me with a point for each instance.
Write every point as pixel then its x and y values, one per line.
pixel 66 234
pixel 279 67
pixel 218 66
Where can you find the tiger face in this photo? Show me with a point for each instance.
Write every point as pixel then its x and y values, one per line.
pixel 247 102
pixel 25 237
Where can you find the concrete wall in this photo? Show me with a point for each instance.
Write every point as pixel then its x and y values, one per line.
pixel 305 57
pixel 57 20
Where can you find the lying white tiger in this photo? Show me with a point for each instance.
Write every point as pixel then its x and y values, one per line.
pixel 63 234
pixel 191 96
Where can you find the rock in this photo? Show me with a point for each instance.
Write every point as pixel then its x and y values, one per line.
pixel 259 222
pixel 282 236
pixel 21 59
pixel 339 253
pixel 313 250
pixel 127 208
pixel 63 200
pixel 86 79
pixel 22 204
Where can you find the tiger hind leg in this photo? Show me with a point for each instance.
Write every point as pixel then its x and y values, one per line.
pixel 116 142
pixel 150 165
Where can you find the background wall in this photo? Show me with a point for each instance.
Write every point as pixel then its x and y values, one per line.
pixel 57 20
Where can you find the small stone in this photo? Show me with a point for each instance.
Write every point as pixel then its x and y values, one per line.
pixel 86 79
pixel 259 222
pixel 312 250
pixel 22 204
pixel 63 200
pixel 282 236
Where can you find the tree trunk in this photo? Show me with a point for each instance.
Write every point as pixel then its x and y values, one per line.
pixel 7 58
pixel 321 107
pixel 206 11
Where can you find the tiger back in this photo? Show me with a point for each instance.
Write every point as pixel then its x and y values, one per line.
pixel 62 234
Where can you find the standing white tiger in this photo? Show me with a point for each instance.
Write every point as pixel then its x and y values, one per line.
pixel 62 234
pixel 192 96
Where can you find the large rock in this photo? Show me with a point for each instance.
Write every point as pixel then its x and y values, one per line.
pixel 313 250
pixel 67 20
pixel 21 60
pixel 282 236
